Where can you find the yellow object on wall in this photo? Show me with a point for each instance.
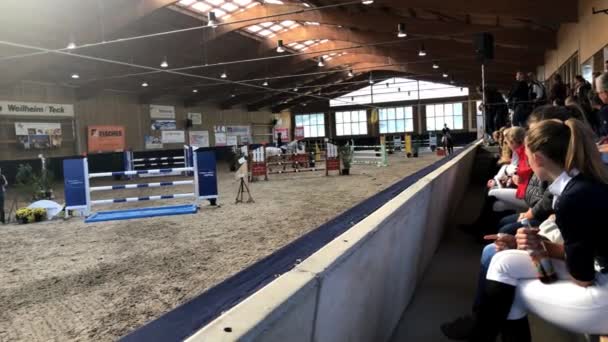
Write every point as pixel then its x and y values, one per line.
pixel 408 143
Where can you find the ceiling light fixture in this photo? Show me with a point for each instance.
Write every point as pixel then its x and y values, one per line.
pixel 224 75
pixel 195 91
pixel 280 47
pixel 211 19
pixel 71 46
pixel 452 80
pixel 350 73
pixel 435 65
pixel 75 76
pixel 144 84
pixel 401 30
pixel 164 63
pixel 232 95
pixel 367 2
pixel 445 75
pixel 422 51
pixel 321 62
pixel 265 84
pixel 295 89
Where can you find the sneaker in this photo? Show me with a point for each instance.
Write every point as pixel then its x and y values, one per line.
pixel 460 329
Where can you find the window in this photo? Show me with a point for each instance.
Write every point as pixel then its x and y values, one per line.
pixel 314 124
pixel 351 122
pixel 396 120
pixel 439 114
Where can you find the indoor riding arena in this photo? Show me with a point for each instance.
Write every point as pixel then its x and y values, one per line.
pixel 303 170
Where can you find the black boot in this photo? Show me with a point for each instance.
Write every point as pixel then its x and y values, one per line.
pixel 516 331
pixel 494 308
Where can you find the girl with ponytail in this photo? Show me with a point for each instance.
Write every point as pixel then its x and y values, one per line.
pixel 564 154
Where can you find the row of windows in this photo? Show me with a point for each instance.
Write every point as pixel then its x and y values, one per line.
pixel 391 120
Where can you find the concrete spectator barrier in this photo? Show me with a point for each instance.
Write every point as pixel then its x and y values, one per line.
pixel 357 286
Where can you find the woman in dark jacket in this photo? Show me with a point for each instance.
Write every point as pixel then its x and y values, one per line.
pixel 559 91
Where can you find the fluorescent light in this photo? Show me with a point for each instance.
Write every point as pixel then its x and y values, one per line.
pixel 265 84
pixel 350 73
pixel 144 84
pixel 71 46
pixel 401 30
pixel 295 89
pixel 164 63
pixel 321 63
pixel 75 76
pixel 195 91
pixel 422 51
pixel 211 19
pixel 367 2
pixel 435 65
pixel 445 75
pixel 280 47
pixel 224 75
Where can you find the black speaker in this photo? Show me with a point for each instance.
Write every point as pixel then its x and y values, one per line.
pixel 484 46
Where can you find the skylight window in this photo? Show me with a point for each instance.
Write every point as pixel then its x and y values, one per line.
pixel 186 2
pixel 215 2
pixel 266 33
pixel 201 7
pixel 254 28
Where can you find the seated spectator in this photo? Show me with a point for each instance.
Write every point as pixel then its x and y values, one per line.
pixel 581 87
pixel 513 199
pixel 600 113
pixel 565 155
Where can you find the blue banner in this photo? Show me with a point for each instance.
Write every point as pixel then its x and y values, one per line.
pixel 207 174
pixel 75 182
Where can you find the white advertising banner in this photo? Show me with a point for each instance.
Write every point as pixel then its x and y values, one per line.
pixel 38 135
pixel 173 137
pixel 162 112
pixel 199 138
pixel 232 140
pixel 35 109
pixel 153 142
pixel 197 118
pixel 220 139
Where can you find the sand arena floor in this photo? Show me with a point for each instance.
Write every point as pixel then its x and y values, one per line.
pixel 71 281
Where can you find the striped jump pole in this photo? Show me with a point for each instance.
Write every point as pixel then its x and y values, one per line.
pixel 379 158
pixel 139 199
pixel 140 185
pixel 140 172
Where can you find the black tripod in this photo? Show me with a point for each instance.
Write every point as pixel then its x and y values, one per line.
pixel 242 189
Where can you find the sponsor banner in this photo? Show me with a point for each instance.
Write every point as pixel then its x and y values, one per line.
pixel 232 140
pixel 106 138
pixel 220 139
pixel 284 135
pixel 239 130
pixel 196 118
pixel 299 133
pixel 35 109
pixel 164 125
pixel 162 112
pixel 173 137
pixel 37 135
pixel 153 142
pixel 333 164
pixel 199 138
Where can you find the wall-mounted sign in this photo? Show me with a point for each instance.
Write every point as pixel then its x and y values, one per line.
pixel 35 109
pixel 199 138
pixel 31 135
pixel 220 139
pixel 232 140
pixel 162 112
pixel 153 142
pixel 105 138
pixel 196 118
pixel 163 125
pixel 299 133
pixel 173 137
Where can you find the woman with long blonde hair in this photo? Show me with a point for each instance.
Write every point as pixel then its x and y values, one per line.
pixel 564 154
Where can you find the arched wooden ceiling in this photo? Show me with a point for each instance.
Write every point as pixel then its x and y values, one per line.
pixel 363 36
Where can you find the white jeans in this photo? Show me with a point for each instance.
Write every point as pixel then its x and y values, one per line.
pixel 579 309
pixel 507 200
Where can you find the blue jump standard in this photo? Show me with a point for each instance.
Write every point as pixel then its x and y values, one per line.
pixel 135 213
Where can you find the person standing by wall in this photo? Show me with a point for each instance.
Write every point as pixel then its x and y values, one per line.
pixel 3 184
pixel 559 91
pixel 519 100
pixel 538 94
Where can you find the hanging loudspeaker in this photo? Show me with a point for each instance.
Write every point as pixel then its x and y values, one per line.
pixel 484 46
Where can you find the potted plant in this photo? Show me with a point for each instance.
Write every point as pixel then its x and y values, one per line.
pixel 39 214
pixel 346 155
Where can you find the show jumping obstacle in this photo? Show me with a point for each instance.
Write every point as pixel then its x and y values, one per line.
pixel 132 162
pixel 374 154
pixel 78 190
pixel 262 164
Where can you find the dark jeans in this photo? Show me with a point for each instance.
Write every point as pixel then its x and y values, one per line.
pixel 2 208
pixel 520 115
pixel 509 224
